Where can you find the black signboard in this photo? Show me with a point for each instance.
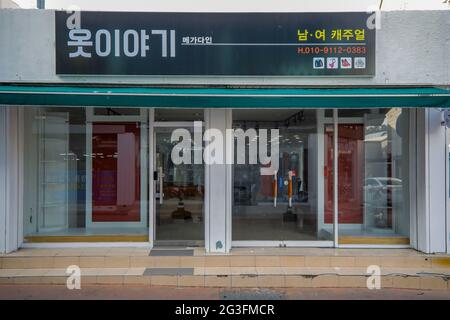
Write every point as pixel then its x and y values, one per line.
pixel 234 44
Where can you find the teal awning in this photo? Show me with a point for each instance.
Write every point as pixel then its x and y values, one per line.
pixel 225 97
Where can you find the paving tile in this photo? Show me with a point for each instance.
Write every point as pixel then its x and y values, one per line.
pixel 65 262
pixel 271 281
pixel 94 252
pixel 192 262
pixel 292 270
pixel 171 252
pixel 117 261
pixel 9 280
pixel 5 273
pixel 267 261
pixel 166 262
pixel 297 281
pixel 242 270
pixel 311 261
pixel 342 261
pixel 120 252
pixel 191 281
pixel 164 280
pixel 16 262
pixel 141 261
pixel 393 262
pixel 367 261
pixel 69 252
pixel 292 261
pixel 387 282
pixel 135 271
pixel 28 280
pixel 269 271
pixel 441 262
pixel 136 280
pixel 433 283
pixel 31 272
pixel 199 252
pixel 92 262
pixel 217 261
pixel 112 272
pixel 110 280
pixel 324 281
pixel 408 282
pixel 90 272
pixel 216 270
pixel 352 281
pixel 141 252
pixel 88 280
pixel 242 261
pixel 56 273
pixel 168 271
pixel 223 281
pixel 240 281
pixel 54 280
pixel 413 262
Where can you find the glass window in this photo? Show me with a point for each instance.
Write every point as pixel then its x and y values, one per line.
pixel 172 114
pixel 373 176
pixel 84 178
pixel 117 111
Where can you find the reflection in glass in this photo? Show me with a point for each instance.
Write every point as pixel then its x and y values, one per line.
pixel 180 205
pixel 256 214
pixel 83 178
pixel 373 176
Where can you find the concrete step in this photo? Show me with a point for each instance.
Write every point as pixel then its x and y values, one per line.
pixel 237 277
pixel 123 260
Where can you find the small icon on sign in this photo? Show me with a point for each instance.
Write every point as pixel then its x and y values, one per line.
pixel 318 63
pixel 332 63
pixel 360 62
pixel 346 63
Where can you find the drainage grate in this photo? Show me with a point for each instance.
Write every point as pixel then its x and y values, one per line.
pixel 171 252
pixel 169 272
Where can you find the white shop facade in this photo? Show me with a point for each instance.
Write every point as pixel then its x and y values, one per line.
pixel 89 110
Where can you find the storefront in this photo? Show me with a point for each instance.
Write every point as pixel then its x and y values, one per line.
pixel 91 139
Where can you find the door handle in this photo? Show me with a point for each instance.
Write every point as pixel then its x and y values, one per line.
pixel 275 189
pixel 161 184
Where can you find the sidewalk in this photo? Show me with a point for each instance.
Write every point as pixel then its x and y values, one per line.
pixel 112 292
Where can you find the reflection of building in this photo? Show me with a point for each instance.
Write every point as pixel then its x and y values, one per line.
pixel 93 160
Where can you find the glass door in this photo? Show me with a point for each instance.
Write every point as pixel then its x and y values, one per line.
pixel 286 207
pixel 179 189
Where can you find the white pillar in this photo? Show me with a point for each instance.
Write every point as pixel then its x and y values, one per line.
pixel 218 189
pixel 2 179
pixel 10 178
pixel 431 182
